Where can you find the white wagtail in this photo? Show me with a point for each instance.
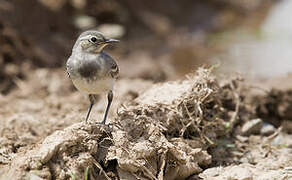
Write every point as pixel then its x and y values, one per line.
pixel 91 70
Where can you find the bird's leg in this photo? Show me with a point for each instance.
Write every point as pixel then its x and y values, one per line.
pixel 110 99
pixel 91 99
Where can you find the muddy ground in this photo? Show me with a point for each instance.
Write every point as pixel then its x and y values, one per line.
pixel 187 129
pixel 171 117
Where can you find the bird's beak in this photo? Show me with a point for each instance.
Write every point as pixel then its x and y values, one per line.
pixel 109 41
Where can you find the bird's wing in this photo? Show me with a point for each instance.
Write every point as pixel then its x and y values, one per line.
pixel 111 64
pixel 114 70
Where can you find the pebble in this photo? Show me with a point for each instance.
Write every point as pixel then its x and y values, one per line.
pixel 267 129
pixel 252 127
pixel 238 173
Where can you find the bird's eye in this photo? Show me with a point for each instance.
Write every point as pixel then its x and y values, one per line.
pixel 93 39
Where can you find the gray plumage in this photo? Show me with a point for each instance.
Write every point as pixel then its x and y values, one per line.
pixel 91 70
pixel 91 66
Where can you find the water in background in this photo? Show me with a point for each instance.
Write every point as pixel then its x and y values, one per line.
pixel 269 53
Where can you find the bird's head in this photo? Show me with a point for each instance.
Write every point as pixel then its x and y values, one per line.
pixel 92 42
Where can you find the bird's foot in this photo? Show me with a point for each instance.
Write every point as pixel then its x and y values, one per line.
pixel 102 124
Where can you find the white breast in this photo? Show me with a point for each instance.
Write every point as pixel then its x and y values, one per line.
pixel 94 86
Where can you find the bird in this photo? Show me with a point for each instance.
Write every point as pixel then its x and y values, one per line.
pixel 91 70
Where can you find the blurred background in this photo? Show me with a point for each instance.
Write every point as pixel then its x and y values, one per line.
pixel 160 40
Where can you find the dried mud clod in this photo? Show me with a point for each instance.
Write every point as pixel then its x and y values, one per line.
pixel 165 132
pixel 162 134
pixel 64 154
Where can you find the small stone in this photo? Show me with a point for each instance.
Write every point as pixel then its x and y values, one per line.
pixel 211 172
pixel 267 129
pixel 238 173
pixel 252 127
